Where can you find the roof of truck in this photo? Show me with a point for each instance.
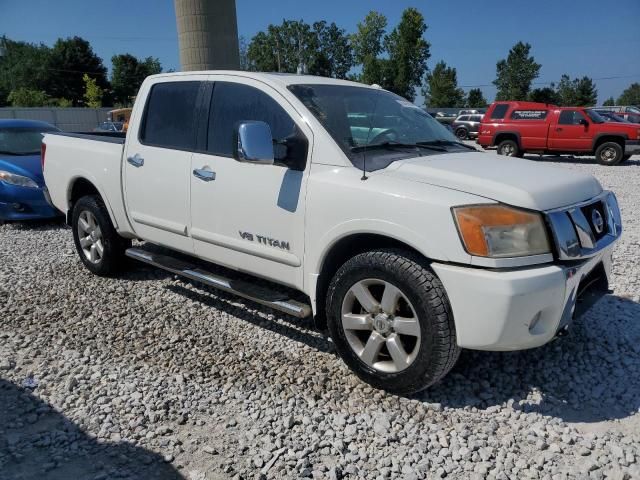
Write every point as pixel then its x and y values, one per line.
pixel 284 79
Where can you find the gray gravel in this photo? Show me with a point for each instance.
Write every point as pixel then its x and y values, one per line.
pixel 148 376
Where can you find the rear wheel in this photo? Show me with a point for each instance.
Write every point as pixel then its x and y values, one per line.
pixel 609 153
pixel 100 247
pixel 391 322
pixel 509 148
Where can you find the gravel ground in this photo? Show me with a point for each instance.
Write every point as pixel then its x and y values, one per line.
pixel 149 376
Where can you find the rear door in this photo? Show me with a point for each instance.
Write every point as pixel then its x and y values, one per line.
pixel 158 161
pixel 569 134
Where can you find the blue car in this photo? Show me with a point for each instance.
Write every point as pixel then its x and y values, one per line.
pixel 22 188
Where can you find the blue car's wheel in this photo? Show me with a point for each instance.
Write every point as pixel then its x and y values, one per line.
pixel 100 247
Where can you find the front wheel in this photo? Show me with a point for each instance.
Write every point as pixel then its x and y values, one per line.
pixel 391 322
pixel 609 153
pixel 100 247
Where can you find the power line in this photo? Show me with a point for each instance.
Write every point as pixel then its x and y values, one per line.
pixel 615 77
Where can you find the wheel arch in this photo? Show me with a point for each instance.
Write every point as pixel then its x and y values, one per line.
pixel 502 136
pixel 80 187
pixel 342 250
pixel 601 138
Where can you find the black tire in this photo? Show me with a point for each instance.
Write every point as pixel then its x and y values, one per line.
pixel 509 148
pixel 609 153
pixel 462 133
pixel 437 350
pixel 112 259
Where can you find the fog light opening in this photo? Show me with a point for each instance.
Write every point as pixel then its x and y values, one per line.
pixel 534 323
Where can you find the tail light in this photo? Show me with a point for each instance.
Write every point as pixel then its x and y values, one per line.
pixel 43 150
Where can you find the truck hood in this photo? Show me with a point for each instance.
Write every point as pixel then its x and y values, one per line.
pixel 517 182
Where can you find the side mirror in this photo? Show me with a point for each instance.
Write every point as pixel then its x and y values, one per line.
pixel 584 122
pixel 255 143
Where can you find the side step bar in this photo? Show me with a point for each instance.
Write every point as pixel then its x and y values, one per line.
pixel 264 296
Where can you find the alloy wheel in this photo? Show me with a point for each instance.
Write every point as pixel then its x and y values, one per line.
pixel 381 325
pixel 90 236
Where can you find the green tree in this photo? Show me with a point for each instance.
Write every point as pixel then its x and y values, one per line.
pixel 288 47
pixel 631 96
pixel 441 88
pixel 609 102
pixel 92 92
pixel 408 54
pixel 127 75
pixel 69 61
pixel 579 92
pixel 22 65
pixel 586 92
pixel 243 47
pixel 333 56
pixel 515 74
pixel 476 99
pixel 24 97
pixel 367 45
pixel 545 95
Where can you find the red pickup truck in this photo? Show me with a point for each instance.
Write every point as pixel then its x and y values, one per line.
pixel 516 128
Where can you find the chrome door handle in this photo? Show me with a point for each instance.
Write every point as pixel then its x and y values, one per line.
pixel 204 174
pixel 137 161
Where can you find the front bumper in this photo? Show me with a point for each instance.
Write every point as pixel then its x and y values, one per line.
pixel 520 309
pixel 20 203
pixel 632 147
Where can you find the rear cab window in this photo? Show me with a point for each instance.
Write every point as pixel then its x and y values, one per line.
pixel 170 116
pixel 499 111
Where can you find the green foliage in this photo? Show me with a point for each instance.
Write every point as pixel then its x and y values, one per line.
pixel 92 92
pixel 609 102
pixel 243 50
pixel 127 75
pixel 515 74
pixel 24 97
pixel 476 99
pixel 295 46
pixel 579 92
pixel 545 95
pixel 408 54
pixel 60 102
pixel 367 41
pixel 631 96
pixel 441 89
pixel 22 66
pixel 70 59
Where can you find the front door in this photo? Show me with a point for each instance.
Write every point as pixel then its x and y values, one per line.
pixel 247 216
pixel 569 134
pixel 158 162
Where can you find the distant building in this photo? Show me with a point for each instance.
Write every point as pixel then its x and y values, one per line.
pixel 207 34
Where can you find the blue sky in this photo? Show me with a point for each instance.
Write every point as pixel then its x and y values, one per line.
pixel 586 37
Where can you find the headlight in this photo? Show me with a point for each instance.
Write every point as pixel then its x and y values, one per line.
pixel 500 231
pixel 19 180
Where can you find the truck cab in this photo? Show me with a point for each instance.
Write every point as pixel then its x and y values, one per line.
pixel 516 128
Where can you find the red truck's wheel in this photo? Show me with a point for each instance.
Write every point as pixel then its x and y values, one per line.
pixel 509 148
pixel 609 153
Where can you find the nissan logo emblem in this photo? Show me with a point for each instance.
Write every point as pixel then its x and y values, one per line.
pixel 597 220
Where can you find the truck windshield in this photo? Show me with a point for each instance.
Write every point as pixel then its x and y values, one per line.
pixel 22 141
pixel 595 116
pixel 375 123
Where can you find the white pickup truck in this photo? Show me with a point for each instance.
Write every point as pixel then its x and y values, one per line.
pixel 341 201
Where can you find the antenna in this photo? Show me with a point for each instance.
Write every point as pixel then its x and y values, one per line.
pixel 364 151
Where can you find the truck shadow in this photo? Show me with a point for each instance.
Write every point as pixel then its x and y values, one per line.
pixel 37 442
pixel 591 375
pixel 632 162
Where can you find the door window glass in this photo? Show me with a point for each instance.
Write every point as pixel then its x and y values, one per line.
pixel 499 111
pixel 233 103
pixel 570 117
pixel 170 115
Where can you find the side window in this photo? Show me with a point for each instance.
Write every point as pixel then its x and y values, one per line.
pixel 233 103
pixel 499 111
pixel 463 118
pixel 570 117
pixel 170 115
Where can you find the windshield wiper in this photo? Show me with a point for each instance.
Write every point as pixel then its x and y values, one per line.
pixel 394 145
pixel 448 142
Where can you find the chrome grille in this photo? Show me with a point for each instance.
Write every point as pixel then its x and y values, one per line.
pixel 578 232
